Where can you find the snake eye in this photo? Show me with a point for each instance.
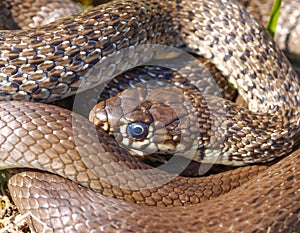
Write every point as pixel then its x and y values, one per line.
pixel 137 130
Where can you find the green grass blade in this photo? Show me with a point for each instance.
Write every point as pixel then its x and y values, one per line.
pixel 274 17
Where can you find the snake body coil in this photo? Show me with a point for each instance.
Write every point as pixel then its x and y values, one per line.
pixel 53 61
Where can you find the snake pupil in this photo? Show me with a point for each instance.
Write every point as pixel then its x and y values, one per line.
pixel 137 130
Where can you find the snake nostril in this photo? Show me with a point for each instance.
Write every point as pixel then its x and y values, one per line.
pixel 137 130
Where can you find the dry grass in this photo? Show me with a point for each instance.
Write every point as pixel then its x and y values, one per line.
pixel 11 221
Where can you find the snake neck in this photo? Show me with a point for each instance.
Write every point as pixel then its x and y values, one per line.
pixel 186 122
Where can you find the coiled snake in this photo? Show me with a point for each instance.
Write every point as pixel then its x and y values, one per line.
pixel 52 62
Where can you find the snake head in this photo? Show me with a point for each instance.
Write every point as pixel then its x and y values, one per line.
pixel 143 122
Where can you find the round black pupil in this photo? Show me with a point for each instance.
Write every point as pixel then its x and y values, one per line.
pixel 137 130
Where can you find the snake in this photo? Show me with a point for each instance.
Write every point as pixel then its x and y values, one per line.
pixel 52 61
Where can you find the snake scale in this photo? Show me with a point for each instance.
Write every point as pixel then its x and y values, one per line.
pixel 51 62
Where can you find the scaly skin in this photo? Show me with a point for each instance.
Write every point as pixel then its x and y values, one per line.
pixel 51 61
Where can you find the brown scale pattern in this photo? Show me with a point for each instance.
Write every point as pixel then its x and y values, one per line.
pixel 34 134
pixel 287 29
pixel 17 14
pixel 269 202
pixel 242 136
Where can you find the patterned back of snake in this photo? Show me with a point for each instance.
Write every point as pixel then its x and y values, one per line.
pixel 53 61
